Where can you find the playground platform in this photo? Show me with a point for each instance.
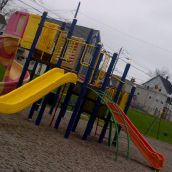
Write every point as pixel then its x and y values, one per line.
pixel 26 147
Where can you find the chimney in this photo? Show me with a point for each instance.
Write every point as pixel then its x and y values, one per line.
pixel 167 77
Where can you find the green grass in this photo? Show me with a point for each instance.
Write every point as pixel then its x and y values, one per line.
pixel 143 121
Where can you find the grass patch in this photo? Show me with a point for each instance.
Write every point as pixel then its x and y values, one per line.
pixel 143 121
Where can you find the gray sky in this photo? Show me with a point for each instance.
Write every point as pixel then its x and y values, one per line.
pixel 143 28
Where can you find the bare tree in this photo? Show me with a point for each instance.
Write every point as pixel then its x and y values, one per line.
pixel 5 7
pixel 164 72
pixel 3 4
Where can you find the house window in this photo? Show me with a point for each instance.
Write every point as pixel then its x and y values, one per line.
pixel 150 97
pixel 156 87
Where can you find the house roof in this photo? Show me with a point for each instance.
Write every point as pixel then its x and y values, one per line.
pixel 81 31
pixel 167 84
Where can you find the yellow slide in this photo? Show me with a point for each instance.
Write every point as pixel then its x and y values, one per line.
pixel 29 93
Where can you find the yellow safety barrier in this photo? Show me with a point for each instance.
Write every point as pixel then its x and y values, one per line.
pixel 47 37
pixel 87 55
pixel 103 68
pixel 123 100
pixel 58 47
pixel 86 60
pixel 72 53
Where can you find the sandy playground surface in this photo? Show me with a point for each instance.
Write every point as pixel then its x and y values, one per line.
pixel 26 147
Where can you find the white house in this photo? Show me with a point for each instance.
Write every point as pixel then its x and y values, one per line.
pixel 153 97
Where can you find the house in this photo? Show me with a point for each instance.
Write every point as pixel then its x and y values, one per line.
pixel 153 96
pixel 80 31
pixel 163 89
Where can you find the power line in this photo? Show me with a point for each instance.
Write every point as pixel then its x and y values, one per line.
pixel 126 34
pixel 39 11
pixel 30 6
pixel 120 58
pixel 47 9
pixel 135 67
pixel 78 32
pixel 128 76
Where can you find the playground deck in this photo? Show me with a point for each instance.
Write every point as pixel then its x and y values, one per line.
pixel 26 147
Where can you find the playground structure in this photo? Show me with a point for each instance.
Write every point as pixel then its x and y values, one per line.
pixel 10 70
pixel 49 44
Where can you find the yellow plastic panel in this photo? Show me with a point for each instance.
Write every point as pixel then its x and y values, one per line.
pixel 47 38
pixel 30 31
pixel 123 100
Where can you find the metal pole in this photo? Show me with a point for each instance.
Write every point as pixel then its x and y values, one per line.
pixel 69 36
pixel 98 102
pixel 133 89
pixel 119 89
pixel 71 86
pixel 83 92
pixel 33 71
pixel 32 49
pixel 97 67
pixel 77 10
pixel 45 100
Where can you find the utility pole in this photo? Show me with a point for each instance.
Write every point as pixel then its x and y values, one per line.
pixel 117 59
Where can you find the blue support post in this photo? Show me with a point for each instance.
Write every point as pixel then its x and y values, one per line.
pixel 88 41
pixel 33 70
pixel 41 112
pixel 83 91
pixel 97 67
pixel 35 105
pixel 32 49
pixel 56 97
pixel 54 103
pixel 69 36
pixel 133 89
pixel 44 103
pixel 98 102
pixel 119 89
pixel 71 86
pixel 77 10
pixel 62 28
pixel 59 62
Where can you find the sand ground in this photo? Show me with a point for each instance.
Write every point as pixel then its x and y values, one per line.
pixel 26 147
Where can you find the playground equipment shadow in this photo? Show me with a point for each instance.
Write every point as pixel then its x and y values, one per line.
pixel 26 147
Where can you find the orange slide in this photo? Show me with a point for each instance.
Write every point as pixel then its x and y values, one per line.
pixel 155 159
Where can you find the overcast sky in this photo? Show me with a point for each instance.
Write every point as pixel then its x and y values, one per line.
pixel 142 28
